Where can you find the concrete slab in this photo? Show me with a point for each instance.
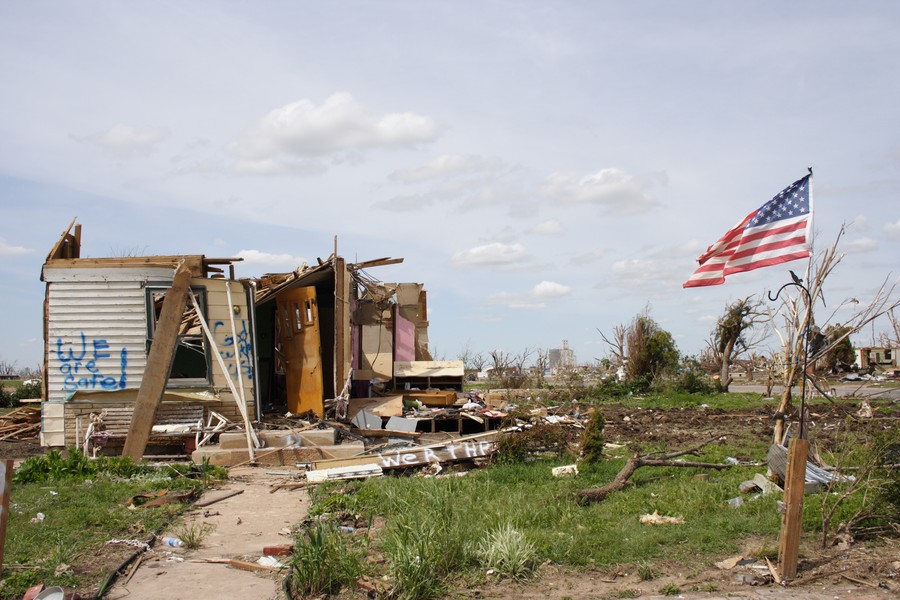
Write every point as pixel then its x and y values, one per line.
pixel 243 526
pixel 225 457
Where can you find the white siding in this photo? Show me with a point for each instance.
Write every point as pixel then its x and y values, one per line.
pixel 97 331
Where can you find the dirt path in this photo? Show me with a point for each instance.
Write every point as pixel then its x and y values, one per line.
pixel 244 524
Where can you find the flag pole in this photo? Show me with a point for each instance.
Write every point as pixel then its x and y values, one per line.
pixel 795 469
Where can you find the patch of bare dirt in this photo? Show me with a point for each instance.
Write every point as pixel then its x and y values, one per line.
pixel 862 572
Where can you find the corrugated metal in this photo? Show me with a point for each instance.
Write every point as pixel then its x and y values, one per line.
pixel 97 331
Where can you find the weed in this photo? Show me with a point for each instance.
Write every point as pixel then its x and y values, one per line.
pixel 645 572
pixel 508 552
pixel 626 593
pixel 324 561
pixel 193 534
pixel 670 589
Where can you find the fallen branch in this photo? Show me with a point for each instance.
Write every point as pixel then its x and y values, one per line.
pixel 650 460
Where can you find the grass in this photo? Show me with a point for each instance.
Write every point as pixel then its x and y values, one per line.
pixel 325 560
pixel 84 507
pixel 439 531
pixel 193 534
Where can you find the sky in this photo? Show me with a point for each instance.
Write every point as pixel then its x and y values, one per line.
pixel 547 169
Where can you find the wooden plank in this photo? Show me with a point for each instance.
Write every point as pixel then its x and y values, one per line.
pixel 342 345
pixel 429 368
pixel 192 262
pixel 377 262
pixel 388 406
pixel 159 362
pixel 452 451
pixel 6 474
pixel 792 520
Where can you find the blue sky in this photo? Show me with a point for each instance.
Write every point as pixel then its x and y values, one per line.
pixel 546 169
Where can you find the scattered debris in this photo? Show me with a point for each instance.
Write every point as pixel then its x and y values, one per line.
pixel 729 563
pixel 21 423
pixel 817 479
pixel 658 519
pixel 565 470
pixel 224 496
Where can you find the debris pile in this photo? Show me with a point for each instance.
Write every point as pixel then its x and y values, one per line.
pixel 21 423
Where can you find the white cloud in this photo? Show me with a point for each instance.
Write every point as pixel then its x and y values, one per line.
pixel 551 227
pixel 533 300
pixel 6 249
pixel 860 245
pixel 126 141
pixel 859 223
pixel 642 274
pixel 550 289
pixel 269 260
pixel 270 166
pixel 588 258
pixel 408 203
pixel 446 165
pixel 496 253
pixel 612 188
pixel 339 124
pixel 893 230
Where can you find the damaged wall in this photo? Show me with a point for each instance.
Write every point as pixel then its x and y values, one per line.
pixel 98 323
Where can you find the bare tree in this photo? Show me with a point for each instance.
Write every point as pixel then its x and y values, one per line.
pixel 732 336
pixel 471 360
pixel 892 338
pixel 616 345
pixel 793 315
pixel 8 368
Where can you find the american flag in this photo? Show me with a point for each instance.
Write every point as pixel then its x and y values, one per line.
pixel 775 233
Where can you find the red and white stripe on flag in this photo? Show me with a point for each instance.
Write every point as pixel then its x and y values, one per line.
pixel 777 232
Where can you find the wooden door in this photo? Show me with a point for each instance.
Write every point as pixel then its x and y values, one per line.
pixel 298 332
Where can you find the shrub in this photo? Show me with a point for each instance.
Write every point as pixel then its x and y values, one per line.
pixel 592 438
pixel 539 438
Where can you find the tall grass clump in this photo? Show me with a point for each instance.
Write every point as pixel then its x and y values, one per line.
pixel 325 561
pixel 507 551
pixel 427 538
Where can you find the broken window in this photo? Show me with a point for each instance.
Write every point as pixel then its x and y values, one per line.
pixel 191 364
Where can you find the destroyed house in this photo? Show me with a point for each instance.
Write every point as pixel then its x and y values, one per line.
pixel 100 317
pixel 303 343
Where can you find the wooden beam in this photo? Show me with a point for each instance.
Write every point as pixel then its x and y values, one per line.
pixel 792 520
pixel 159 363
pixel 342 336
pixel 378 262
pixel 6 474
pixel 194 262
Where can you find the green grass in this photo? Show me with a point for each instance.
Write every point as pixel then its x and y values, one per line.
pixel 436 529
pixel 83 507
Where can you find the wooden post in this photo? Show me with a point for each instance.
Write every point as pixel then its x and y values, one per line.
pixel 6 474
pixel 159 363
pixel 342 335
pixel 792 520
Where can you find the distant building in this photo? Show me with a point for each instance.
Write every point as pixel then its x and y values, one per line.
pixel 882 358
pixel 561 358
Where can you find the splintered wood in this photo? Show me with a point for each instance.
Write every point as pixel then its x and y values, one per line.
pixel 21 423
